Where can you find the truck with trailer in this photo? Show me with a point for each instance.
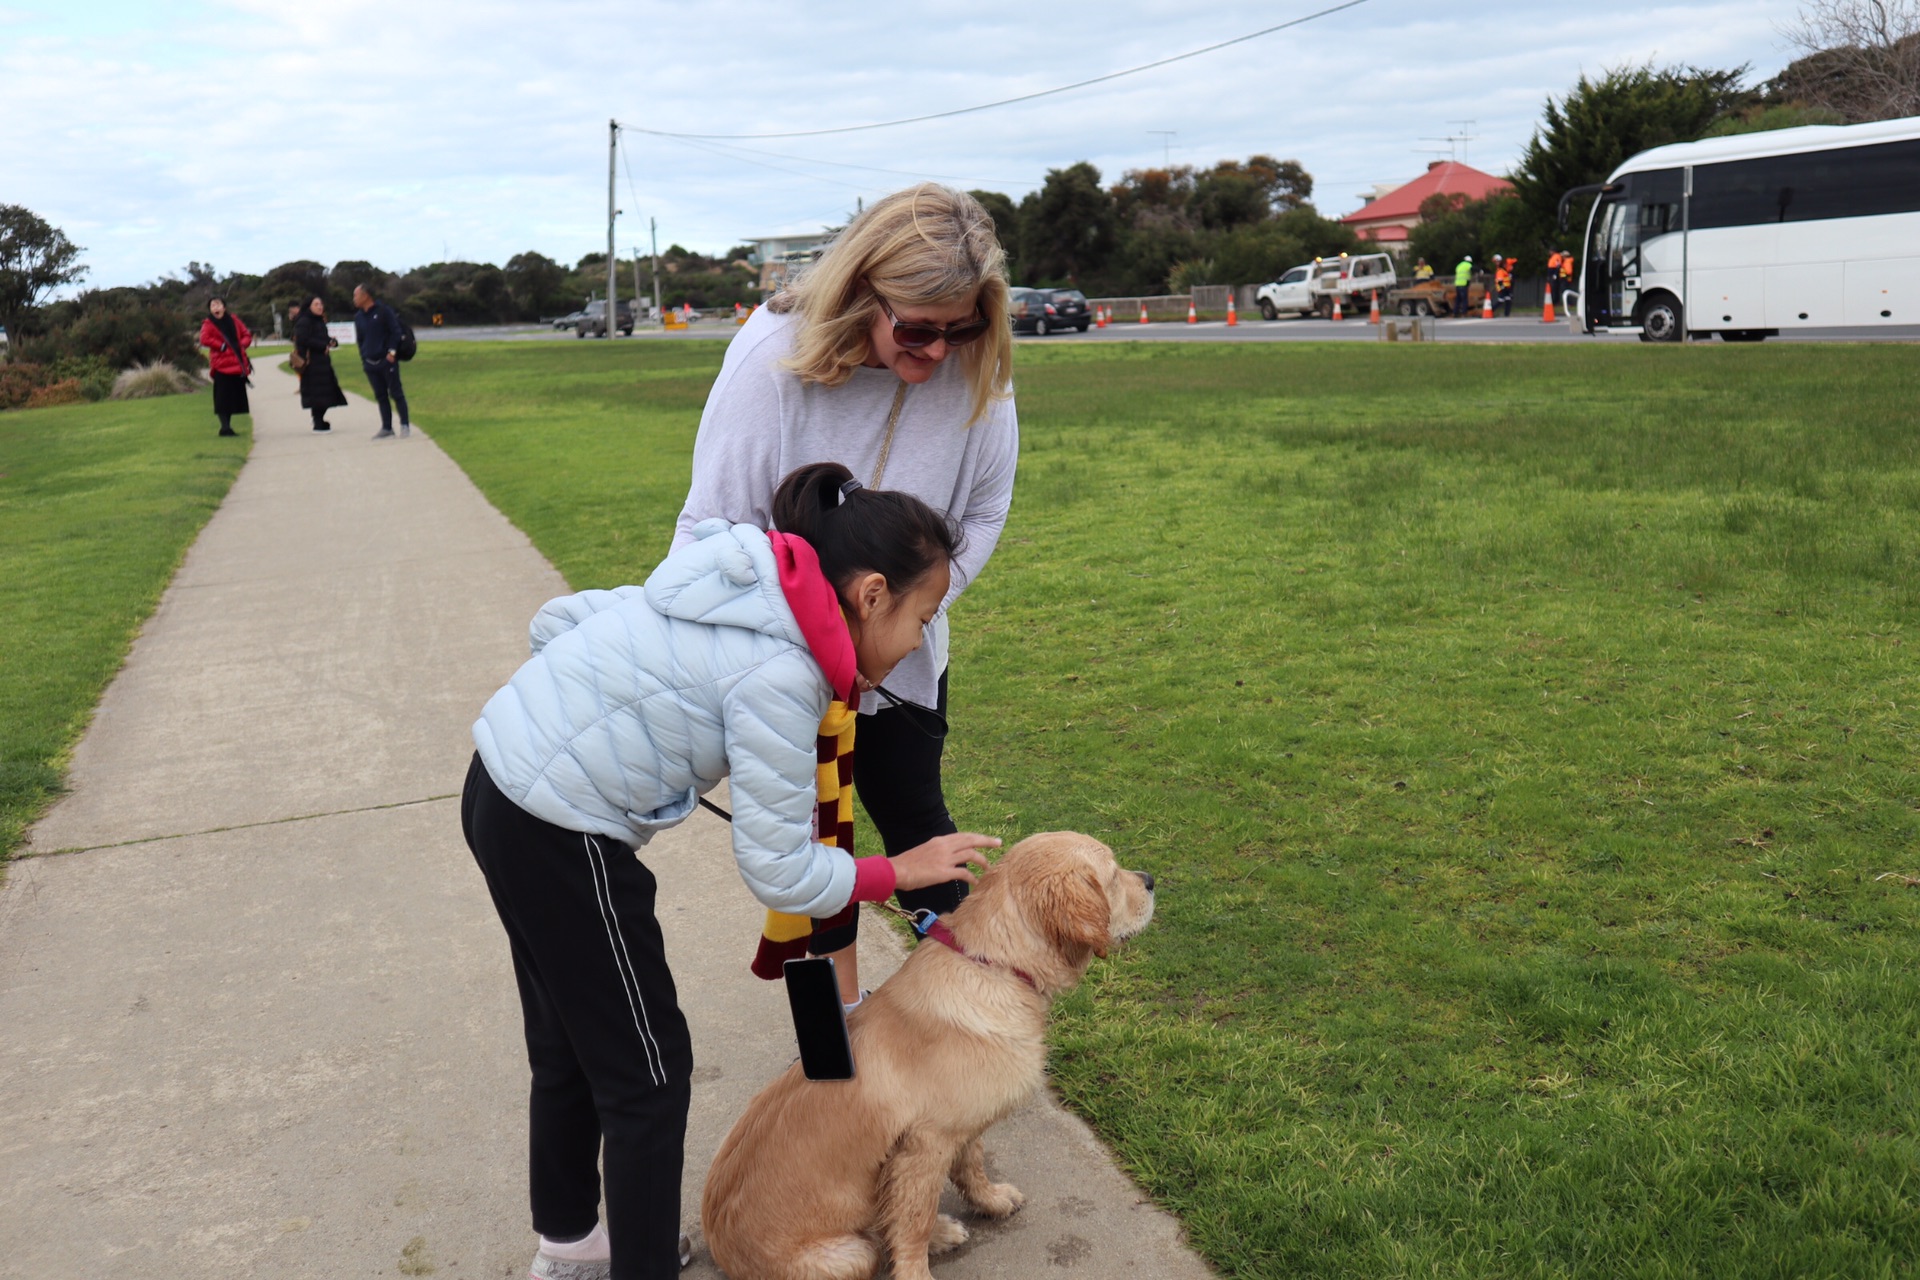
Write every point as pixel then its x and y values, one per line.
pixel 1313 287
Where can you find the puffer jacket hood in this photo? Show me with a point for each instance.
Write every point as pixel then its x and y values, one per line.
pixel 638 700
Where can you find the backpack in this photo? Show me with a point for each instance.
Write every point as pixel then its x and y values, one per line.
pixel 408 344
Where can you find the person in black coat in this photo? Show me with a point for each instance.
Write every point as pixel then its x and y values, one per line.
pixel 319 387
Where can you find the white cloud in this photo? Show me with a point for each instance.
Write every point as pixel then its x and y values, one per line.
pixel 252 133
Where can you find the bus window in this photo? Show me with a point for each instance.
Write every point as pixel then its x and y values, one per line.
pixel 1850 182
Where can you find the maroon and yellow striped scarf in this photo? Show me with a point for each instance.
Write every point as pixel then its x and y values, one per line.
pixel 789 937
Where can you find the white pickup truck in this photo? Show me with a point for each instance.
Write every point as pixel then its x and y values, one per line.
pixel 1313 286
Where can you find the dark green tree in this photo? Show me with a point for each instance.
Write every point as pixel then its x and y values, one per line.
pixel 534 281
pixel 1260 251
pixel 35 256
pixel 1066 227
pixel 1225 198
pixel 1600 123
pixel 291 284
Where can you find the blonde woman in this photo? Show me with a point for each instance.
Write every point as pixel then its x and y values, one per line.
pixel 893 356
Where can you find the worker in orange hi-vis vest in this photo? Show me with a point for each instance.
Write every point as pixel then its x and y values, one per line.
pixel 1553 270
pixel 1567 266
pixel 1503 284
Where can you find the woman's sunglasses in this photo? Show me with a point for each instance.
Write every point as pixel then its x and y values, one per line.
pixel 914 335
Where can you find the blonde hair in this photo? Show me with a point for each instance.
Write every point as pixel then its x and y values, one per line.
pixel 925 246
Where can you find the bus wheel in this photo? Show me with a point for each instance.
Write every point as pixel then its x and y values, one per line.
pixel 1660 319
pixel 1267 310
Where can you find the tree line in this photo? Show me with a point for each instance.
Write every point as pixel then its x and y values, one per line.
pixel 1163 230
pixel 127 324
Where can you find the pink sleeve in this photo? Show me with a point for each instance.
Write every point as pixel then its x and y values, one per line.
pixel 873 879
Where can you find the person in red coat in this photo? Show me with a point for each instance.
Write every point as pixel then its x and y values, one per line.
pixel 226 340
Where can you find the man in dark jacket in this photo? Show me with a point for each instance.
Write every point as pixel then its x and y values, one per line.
pixel 377 330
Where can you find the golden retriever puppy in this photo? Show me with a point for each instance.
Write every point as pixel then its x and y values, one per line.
pixel 818 1177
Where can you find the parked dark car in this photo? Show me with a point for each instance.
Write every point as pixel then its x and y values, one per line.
pixel 568 320
pixel 1044 311
pixel 594 320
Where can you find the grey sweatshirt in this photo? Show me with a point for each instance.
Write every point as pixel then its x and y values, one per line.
pixel 761 422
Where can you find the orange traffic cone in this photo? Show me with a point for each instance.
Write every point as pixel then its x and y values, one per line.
pixel 1486 312
pixel 1106 316
pixel 1373 312
pixel 1232 318
pixel 1546 315
pixel 1193 317
pixel 1143 311
pixel 1336 308
pixel 739 314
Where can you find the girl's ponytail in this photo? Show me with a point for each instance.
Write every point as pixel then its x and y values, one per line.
pixel 856 530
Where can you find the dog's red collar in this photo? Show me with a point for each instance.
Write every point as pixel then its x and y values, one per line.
pixel 928 925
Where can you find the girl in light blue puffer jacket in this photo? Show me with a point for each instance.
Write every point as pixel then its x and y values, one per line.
pixel 634 702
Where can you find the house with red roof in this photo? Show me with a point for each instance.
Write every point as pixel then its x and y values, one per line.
pixel 1387 218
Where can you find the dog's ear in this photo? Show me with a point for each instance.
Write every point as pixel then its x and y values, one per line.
pixel 1070 907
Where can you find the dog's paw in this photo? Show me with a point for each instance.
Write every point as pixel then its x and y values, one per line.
pixel 1000 1200
pixel 948 1233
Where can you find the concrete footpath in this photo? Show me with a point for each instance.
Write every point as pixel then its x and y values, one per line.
pixel 256 1014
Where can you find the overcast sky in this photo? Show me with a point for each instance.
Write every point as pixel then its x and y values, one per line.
pixel 253 132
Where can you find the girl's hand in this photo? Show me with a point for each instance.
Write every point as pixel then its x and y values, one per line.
pixel 941 860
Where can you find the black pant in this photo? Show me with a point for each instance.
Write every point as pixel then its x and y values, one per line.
pixel 609 1049
pixel 383 375
pixel 896 771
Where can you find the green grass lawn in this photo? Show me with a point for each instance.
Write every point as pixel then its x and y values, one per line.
pixel 1521 738
pixel 98 502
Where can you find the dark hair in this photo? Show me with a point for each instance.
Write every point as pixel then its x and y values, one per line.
pixel 861 530
pixel 216 298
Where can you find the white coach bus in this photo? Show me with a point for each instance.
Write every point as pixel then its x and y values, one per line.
pixel 1749 235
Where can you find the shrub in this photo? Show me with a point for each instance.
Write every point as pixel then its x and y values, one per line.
pixel 157 378
pixel 121 332
pixel 65 391
pixel 93 373
pixel 18 382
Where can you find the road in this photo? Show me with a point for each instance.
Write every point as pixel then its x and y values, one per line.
pixel 1516 329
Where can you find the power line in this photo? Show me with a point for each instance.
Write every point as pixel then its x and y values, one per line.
pixel 1025 97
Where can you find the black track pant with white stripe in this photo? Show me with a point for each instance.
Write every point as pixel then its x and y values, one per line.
pixel 609 1048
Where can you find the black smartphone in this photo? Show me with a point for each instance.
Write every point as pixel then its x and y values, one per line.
pixel 819 1019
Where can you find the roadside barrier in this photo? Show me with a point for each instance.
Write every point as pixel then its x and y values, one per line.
pixel 1408 329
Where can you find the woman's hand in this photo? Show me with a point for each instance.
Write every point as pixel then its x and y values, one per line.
pixel 942 859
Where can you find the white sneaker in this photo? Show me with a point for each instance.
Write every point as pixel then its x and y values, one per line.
pixel 550 1268
pixel 406 429
pixel 588 1259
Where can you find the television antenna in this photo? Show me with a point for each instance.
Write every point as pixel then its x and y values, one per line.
pixel 1458 141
